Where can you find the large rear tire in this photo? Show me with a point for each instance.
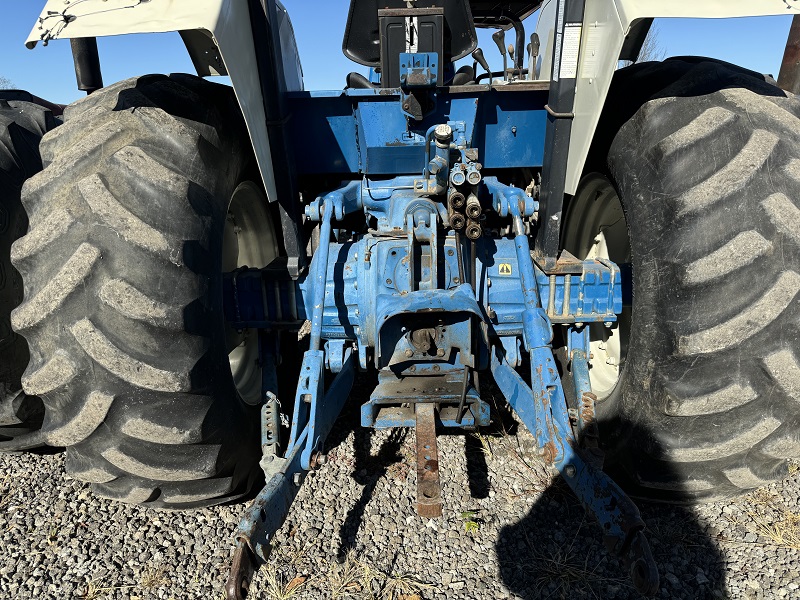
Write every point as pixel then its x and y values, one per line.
pixel 707 168
pixel 22 126
pixel 123 291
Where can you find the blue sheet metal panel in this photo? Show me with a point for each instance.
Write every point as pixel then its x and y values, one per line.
pixel 324 124
pixel 388 147
pixel 512 129
pixel 365 131
pixel 391 144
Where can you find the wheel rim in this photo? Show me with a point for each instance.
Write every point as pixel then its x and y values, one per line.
pixel 249 240
pixel 596 228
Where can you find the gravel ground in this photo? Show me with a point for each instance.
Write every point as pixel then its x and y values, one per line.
pixel 507 532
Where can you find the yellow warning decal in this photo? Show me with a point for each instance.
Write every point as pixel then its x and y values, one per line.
pixel 505 269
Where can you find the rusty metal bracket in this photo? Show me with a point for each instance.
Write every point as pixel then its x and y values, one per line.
pixel 429 489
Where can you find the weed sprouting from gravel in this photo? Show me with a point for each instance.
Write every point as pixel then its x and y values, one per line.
pixel 402 587
pixel 154 577
pixel 471 523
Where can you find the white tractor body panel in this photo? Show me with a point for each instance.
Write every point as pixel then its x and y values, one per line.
pixel 226 22
pixel 606 24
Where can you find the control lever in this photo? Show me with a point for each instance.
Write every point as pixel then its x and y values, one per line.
pixel 513 62
pixel 533 55
pixel 500 39
pixel 481 60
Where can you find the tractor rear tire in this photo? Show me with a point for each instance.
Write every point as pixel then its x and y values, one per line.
pixel 707 168
pixel 123 313
pixel 22 125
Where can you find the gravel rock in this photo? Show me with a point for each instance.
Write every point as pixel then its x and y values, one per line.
pixel 508 531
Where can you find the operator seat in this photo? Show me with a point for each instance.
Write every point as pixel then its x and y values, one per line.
pixel 363 42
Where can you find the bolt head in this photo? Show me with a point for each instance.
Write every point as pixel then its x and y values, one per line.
pixel 570 471
pixel 409 353
pixel 440 352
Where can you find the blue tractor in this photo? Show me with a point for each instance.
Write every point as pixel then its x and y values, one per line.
pixel 200 272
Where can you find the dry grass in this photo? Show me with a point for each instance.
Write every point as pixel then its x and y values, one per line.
pixel 96 591
pixel 277 588
pixel 764 513
pixel 153 578
pixel 571 571
pixel 486 446
pixel 537 476
pixel 7 491
pixel 783 532
pixel 774 521
pixel 402 587
pixel 572 575
pixel 355 578
pixel 349 579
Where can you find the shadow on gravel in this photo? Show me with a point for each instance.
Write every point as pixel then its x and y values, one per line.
pixel 368 470
pixel 557 551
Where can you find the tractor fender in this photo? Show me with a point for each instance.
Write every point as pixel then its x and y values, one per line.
pixel 216 34
pixel 607 26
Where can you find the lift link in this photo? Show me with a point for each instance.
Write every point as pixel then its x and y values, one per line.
pixel 314 415
pixel 543 409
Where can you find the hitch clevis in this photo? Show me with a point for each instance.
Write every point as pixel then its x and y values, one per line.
pixel 439 289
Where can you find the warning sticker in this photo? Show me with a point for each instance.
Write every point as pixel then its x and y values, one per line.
pixel 505 269
pixel 570 49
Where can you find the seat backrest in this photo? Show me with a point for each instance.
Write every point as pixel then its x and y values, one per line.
pixel 362 42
